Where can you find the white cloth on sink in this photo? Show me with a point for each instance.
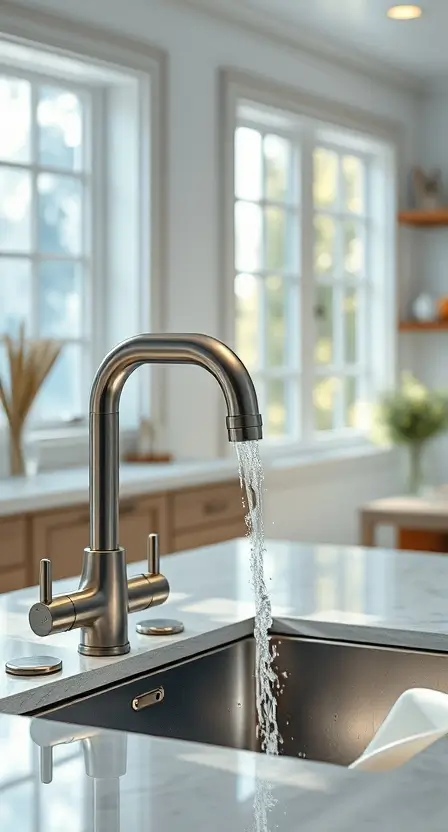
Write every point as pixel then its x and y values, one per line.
pixel 418 718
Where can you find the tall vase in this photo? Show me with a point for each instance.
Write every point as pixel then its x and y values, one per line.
pixel 16 459
pixel 415 479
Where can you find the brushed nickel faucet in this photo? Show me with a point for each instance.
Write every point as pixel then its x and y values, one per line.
pixel 105 595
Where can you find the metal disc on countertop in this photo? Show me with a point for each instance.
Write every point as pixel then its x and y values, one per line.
pixel 33 666
pixel 160 627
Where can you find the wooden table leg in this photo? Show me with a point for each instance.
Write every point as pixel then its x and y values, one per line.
pixel 367 530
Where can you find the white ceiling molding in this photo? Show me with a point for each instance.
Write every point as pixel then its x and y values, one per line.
pixel 309 42
pixel 27 23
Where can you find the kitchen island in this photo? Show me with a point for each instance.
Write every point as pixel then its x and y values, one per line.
pixel 321 592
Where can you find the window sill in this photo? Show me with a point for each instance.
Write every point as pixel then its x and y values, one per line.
pixel 60 447
pixel 60 436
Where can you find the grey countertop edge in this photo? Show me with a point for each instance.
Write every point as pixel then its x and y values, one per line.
pixel 43 697
pixel 375 636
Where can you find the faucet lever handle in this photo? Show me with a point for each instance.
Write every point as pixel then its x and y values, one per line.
pixel 153 554
pixel 45 581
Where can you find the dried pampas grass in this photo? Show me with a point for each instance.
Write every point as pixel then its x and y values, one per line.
pixel 30 361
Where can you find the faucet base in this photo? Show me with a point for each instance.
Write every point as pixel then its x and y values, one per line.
pixel 104 627
pixel 104 652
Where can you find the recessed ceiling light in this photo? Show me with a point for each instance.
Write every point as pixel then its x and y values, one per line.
pixel 404 12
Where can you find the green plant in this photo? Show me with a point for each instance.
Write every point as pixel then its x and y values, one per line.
pixel 411 414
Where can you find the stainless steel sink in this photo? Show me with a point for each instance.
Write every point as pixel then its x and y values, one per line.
pixel 333 696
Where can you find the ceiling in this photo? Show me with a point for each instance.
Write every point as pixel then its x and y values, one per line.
pixel 417 47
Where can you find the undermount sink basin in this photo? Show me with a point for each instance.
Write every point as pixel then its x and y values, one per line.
pixel 334 696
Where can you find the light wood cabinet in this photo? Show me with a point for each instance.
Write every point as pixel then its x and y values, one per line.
pixel 208 535
pixel 421 540
pixel 63 535
pixel 196 507
pixel 138 518
pixel 12 579
pixel 184 519
pixel 13 553
pixel 206 515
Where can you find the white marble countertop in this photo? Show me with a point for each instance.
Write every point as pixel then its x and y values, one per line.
pixel 349 593
pixel 70 486
pixel 108 781
pixel 140 782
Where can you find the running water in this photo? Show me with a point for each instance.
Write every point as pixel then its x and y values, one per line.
pixel 251 477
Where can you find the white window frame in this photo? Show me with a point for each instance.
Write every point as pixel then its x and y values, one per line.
pixel 90 257
pixel 91 44
pixel 236 87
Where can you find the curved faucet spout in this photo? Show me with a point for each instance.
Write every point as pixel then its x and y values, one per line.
pixel 243 419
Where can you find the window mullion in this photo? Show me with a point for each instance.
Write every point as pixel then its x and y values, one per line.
pixel 94 288
pixel 34 140
pixel 364 319
pixel 307 295
pixel 338 304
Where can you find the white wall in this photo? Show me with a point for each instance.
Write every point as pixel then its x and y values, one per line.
pixel 429 271
pixel 319 503
pixel 197 47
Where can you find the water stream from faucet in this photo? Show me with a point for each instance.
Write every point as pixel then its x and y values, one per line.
pixel 251 477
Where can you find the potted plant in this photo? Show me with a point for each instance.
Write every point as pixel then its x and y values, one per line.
pixel 412 416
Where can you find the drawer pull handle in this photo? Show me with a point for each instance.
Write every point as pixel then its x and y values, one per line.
pixel 145 700
pixel 215 507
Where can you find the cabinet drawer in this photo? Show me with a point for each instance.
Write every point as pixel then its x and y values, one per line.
pixel 62 537
pixel 422 540
pixel 13 579
pixel 207 506
pixel 209 535
pixel 138 518
pixel 13 539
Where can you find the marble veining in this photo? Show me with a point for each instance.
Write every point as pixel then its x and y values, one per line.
pixel 365 595
pixel 116 782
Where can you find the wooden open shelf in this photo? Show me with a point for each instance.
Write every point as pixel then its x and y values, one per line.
pixel 424 218
pixel 422 326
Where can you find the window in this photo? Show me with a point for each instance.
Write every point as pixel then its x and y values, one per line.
pixel 81 227
pixel 45 198
pixel 312 210
pixel 342 287
pixel 267 234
